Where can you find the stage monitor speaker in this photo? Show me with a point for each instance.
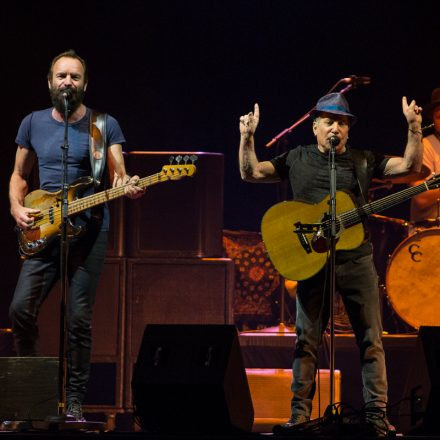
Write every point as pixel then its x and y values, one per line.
pixel 28 388
pixel 178 218
pixel 190 379
pixel 419 413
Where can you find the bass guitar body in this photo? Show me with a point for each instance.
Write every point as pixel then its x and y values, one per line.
pixel 47 223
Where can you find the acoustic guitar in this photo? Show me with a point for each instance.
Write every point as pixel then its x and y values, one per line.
pixel 296 233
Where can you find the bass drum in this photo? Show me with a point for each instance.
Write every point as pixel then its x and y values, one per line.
pixel 413 278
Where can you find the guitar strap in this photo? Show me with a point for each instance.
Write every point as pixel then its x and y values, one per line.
pixel 361 172
pixel 97 145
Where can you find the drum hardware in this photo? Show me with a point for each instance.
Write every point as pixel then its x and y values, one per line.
pixel 397 221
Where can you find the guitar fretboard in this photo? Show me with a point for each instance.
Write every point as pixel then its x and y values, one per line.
pixel 110 194
pixel 355 216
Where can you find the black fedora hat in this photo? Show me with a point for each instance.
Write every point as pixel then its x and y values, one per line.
pixel 334 103
pixel 435 102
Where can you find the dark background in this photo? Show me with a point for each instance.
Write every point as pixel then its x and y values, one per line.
pixel 178 74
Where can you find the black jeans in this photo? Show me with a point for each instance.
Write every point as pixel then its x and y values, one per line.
pixel 357 283
pixel 37 277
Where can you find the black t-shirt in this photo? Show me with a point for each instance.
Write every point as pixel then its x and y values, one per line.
pixel 308 171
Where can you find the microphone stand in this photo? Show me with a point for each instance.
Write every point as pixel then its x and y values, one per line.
pixel 64 249
pixel 334 141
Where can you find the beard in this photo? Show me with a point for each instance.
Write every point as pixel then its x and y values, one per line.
pixel 75 100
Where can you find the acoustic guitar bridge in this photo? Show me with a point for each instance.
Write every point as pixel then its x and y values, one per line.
pixel 301 229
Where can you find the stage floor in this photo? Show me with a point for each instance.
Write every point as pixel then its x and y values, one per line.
pixel 266 350
pixel 270 350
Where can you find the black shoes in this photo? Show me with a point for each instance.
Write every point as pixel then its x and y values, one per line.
pixel 74 411
pixel 374 424
pixel 377 425
pixel 291 425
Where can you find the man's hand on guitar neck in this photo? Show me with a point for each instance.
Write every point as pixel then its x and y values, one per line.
pixel 23 216
pixel 131 190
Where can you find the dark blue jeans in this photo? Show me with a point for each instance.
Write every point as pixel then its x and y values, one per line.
pixel 37 277
pixel 357 283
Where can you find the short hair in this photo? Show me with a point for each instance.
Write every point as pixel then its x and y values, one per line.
pixel 68 54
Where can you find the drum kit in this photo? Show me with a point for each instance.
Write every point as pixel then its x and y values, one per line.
pixel 407 258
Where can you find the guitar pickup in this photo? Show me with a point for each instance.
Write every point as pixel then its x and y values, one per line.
pixel 301 229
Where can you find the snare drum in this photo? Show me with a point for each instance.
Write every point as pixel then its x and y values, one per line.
pixel 413 278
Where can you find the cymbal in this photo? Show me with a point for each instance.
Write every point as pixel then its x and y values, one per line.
pixel 407 178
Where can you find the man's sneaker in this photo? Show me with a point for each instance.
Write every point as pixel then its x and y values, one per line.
pixel 291 424
pixel 377 425
pixel 74 412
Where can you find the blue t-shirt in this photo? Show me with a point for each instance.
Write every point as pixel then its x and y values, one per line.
pixel 41 133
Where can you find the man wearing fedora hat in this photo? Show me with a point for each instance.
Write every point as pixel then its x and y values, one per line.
pixel 425 207
pixel 306 167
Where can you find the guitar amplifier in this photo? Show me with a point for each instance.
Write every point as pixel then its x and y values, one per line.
pixel 174 291
pixel 178 218
pixel 116 235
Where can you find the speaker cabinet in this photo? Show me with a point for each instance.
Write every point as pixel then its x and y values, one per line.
pixel 422 392
pixel 190 379
pixel 175 291
pixel 28 388
pixel 116 233
pixel 105 385
pixel 178 218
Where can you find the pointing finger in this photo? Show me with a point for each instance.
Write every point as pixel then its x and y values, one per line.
pixel 256 111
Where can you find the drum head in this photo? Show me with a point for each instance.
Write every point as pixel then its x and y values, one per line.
pixel 413 278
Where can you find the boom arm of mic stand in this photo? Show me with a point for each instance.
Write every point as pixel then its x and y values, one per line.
pixel 303 118
pixel 287 131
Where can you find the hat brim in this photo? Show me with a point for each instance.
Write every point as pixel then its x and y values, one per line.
pixel 351 117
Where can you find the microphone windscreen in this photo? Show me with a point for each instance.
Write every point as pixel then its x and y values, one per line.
pixel 334 141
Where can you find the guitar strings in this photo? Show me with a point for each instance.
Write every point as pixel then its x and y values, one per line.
pixel 90 201
pixel 354 216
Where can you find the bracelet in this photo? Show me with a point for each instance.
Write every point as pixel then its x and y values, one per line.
pixel 415 131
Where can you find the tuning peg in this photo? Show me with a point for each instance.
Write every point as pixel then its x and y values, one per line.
pixel 171 159
pixel 193 158
pixel 185 158
pixel 178 158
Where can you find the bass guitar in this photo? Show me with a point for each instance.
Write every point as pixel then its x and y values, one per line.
pixel 47 223
pixel 296 233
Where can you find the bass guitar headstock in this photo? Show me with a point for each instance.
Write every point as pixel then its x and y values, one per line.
pixel 178 170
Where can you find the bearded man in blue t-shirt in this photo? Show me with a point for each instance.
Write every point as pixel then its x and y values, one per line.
pixel 39 138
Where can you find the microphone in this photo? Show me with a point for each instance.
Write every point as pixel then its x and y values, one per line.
pixel 67 93
pixel 357 80
pixel 334 141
